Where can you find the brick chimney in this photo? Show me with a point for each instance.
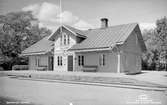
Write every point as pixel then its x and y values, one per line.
pixel 104 22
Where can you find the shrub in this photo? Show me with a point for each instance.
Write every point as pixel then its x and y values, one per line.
pixel 1 69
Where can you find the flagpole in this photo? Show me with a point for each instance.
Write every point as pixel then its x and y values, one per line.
pixel 61 22
pixel 60 17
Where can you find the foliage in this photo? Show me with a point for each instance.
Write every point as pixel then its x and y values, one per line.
pixel 18 31
pixel 156 42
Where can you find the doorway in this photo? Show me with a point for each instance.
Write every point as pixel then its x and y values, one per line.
pixel 70 63
pixel 50 63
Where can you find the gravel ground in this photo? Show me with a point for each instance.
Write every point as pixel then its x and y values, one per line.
pixel 52 93
pixel 145 79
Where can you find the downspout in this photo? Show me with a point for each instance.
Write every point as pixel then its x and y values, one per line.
pixel 119 63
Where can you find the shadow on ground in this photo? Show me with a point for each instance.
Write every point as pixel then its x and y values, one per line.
pixel 142 72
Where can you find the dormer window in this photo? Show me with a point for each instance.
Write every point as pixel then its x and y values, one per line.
pixel 64 39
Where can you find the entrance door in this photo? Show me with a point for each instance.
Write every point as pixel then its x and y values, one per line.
pixel 70 63
pixel 50 63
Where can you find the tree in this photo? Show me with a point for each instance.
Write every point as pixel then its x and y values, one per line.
pixel 161 39
pixel 150 58
pixel 156 42
pixel 18 33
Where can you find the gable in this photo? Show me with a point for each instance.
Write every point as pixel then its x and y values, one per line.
pixel 57 34
pixel 64 39
pixel 72 30
pixel 134 42
pixel 140 39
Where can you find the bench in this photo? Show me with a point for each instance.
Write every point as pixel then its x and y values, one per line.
pixel 89 68
pixel 42 68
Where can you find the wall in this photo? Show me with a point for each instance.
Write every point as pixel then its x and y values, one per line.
pixel 34 65
pixel 61 50
pixel 93 58
pixel 131 54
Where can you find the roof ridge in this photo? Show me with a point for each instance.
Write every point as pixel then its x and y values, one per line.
pixel 99 27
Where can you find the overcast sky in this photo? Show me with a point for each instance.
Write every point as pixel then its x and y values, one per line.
pixel 87 13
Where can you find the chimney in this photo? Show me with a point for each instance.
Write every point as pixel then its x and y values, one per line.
pixel 104 22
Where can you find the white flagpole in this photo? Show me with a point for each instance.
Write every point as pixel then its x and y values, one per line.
pixel 60 17
pixel 61 21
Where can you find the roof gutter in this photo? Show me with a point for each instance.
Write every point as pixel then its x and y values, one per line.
pixel 29 54
pixel 35 53
pixel 92 50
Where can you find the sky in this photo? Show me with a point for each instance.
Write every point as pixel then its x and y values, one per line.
pixel 85 14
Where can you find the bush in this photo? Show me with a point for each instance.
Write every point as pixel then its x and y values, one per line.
pixel 1 69
pixel 20 67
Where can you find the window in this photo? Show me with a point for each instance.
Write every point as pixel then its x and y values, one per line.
pixel 64 39
pixel 37 61
pixel 59 61
pixel 138 61
pixel 80 60
pixel 136 39
pixel 61 38
pixel 40 61
pixel 68 39
pixel 102 60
